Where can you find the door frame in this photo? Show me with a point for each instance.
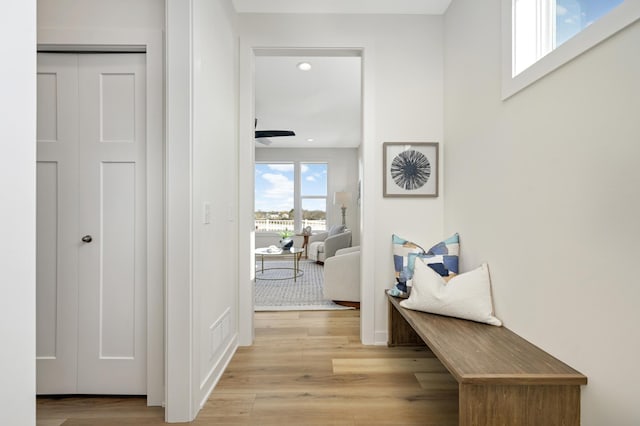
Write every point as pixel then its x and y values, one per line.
pixel 151 43
pixel 249 49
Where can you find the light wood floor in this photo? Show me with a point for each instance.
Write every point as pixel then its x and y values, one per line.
pixel 305 368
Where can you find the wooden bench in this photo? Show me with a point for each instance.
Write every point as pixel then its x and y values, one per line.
pixel 502 378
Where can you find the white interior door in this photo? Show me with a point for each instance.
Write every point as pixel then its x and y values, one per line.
pixel 57 225
pixel 91 283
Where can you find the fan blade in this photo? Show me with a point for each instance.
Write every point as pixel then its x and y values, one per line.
pixel 273 133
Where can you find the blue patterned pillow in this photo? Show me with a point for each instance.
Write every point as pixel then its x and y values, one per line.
pixel 402 251
pixel 442 258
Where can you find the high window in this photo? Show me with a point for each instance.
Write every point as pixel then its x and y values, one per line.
pixel 290 196
pixel 542 35
pixel 540 26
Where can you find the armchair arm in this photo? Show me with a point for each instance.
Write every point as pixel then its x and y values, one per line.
pixel 342 277
pixel 320 236
pixel 336 242
pixel 347 250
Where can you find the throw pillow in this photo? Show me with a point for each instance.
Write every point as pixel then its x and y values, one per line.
pixel 403 270
pixel 466 296
pixel 442 257
pixel 335 230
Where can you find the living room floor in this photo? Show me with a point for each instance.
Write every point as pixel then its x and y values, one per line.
pixel 305 368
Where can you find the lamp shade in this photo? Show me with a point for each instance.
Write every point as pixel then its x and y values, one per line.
pixel 341 198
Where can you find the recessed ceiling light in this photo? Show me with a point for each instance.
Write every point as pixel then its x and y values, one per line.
pixel 310 140
pixel 304 66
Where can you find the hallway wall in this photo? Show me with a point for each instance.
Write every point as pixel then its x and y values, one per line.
pixel 544 186
pixel 18 213
pixel 202 170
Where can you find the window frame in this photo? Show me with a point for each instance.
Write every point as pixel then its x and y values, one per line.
pixel 297 191
pixel 301 197
pixel 616 20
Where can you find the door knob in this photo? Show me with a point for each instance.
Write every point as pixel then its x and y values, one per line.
pixel 87 239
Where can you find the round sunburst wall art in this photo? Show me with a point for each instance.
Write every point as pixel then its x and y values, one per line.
pixel 410 169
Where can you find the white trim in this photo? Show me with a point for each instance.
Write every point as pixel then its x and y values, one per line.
pixel 180 386
pixel 613 22
pixel 382 338
pixel 246 183
pixel 150 42
pixel 248 50
pixel 368 230
pixel 220 368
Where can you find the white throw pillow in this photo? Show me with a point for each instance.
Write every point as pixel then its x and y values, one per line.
pixel 466 296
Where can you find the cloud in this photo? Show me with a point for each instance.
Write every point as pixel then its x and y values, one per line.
pixel 560 10
pixel 310 178
pixel 279 187
pixel 304 168
pixel 277 195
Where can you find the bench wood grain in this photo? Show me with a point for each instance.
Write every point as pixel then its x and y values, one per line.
pixel 502 378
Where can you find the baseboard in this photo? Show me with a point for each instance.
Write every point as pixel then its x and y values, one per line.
pixel 218 369
pixel 381 338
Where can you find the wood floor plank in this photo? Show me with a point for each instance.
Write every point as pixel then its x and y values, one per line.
pixel 229 405
pixel 377 383
pixel 346 402
pixel 437 381
pixel 305 368
pixel 385 365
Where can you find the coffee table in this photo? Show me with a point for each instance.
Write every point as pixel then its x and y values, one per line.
pixel 295 252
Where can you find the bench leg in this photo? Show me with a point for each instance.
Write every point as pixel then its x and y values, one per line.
pixel 490 405
pixel 400 333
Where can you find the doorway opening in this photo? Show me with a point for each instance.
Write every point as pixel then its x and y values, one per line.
pixel 316 94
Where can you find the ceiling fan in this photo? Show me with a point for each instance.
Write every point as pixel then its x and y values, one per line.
pixel 262 136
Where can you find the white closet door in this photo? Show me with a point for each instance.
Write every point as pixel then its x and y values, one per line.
pixel 110 226
pixel 57 224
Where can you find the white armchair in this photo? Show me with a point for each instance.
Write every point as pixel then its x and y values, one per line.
pixel 342 276
pixel 324 245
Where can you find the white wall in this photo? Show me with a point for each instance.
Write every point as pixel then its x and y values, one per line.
pixel 402 66
pixel 97 14
pixel 201 168
pixel 545 188
pixel 342 176
pixel 17 216
pixel 215 171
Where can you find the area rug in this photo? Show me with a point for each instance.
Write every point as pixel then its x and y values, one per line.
pixel 304 294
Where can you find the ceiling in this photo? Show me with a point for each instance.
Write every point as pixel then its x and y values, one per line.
pixel 421 7
pixel 321 105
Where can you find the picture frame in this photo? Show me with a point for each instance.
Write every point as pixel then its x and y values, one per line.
pixel 410 169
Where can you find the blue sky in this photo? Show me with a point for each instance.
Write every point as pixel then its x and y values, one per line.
pixel 274 186
pixel 572 16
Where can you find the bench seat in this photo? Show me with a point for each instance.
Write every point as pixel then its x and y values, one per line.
pixel 502 378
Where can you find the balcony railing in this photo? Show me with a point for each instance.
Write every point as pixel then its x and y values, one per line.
pixel 277 225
